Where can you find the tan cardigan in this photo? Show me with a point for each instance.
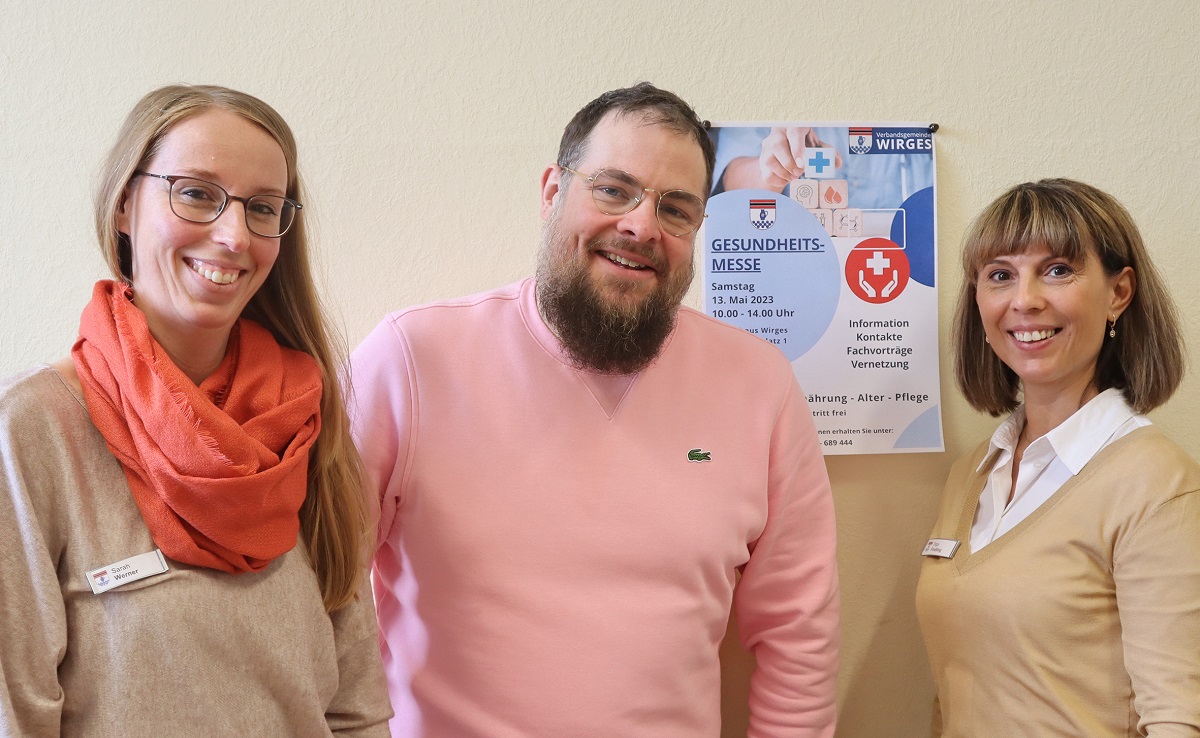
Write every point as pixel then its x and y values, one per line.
pixel 1084 620
pixel 189 652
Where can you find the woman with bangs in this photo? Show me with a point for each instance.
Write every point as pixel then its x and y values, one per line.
pixel 1060 593
pixel 183 532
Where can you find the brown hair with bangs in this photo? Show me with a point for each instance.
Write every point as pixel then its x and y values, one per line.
pixel 1070 219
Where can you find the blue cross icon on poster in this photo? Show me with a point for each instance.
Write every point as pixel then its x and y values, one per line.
pixel 819 163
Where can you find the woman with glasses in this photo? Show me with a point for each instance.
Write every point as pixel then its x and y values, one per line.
pixel 182 529
pixel 1060 593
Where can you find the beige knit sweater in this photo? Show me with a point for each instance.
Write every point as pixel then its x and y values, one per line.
pixel 190 652
pixel 1084 620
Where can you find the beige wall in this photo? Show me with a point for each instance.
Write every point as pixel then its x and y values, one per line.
pixel 424 127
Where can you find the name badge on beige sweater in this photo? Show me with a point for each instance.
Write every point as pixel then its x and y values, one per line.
pixel 942 548
pixel 126 570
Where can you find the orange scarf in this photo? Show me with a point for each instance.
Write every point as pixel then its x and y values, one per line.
pixel 218 471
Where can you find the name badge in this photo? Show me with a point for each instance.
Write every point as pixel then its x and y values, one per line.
pixel 942 548
pixel 126 570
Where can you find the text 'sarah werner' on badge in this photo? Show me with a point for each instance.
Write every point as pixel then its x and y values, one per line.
pixel 821 238
pixel 126 570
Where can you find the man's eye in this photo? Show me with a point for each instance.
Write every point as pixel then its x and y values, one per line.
pixel 611 192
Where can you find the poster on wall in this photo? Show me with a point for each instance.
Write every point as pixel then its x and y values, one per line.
pixel 822 240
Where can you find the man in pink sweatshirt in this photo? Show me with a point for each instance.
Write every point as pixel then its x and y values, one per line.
pixel 578 478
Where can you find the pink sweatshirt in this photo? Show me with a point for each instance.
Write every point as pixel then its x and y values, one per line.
pixel 558 550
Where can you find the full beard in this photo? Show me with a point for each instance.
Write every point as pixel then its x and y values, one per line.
pixel 598 335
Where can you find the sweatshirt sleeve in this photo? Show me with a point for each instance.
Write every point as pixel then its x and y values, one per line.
pixel 33 623
pixel 1156 570
pixel 787 599
pixel 381 411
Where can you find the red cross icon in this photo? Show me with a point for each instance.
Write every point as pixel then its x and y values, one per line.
pixel 877 270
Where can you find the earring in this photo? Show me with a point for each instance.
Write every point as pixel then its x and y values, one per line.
pixel 1112 326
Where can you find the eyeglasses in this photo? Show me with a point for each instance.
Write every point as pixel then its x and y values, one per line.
pixel 616 192
pixel 198 201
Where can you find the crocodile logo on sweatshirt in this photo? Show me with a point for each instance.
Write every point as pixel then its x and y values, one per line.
pixel 698 455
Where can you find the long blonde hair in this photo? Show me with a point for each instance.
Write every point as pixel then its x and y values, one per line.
pixel 335 518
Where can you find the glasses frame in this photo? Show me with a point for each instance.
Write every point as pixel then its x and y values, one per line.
pixel 245 201
pixel 591 180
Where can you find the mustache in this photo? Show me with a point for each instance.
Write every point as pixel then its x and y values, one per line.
pixel 652 255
